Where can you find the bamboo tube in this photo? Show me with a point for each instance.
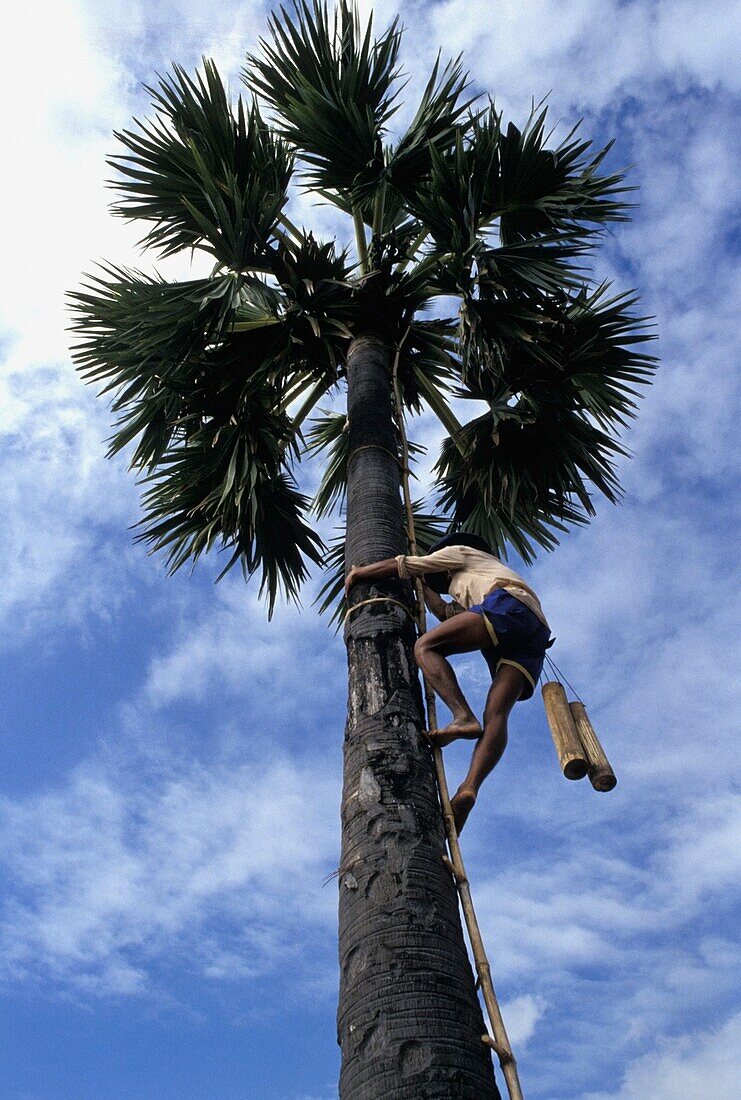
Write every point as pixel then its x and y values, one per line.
pixel 571 755
pixel 499 1042
pixel 601 775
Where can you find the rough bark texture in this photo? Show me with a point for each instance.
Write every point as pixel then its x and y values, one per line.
pixel 409 1020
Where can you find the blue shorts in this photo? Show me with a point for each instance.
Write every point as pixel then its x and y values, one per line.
pixel 518 636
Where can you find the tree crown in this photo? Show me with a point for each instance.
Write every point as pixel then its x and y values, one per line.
pixel 213 379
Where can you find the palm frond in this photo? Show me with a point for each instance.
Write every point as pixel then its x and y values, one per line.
pixel 329 433
pixel 521 476
pixel 448 199
pixel 426 362
pixel 176 353
pixel 320 305
pixel 542 266
pixel 331 594
pixel 227 486
pixel 433 130
pixel 145 340
pixel 331 85
pixel 598 347
pixel 486 177
pixel 580 350
pixel 203 176
pixel 560 374
pixel 451 204
pixel 438 398
pixel 535 190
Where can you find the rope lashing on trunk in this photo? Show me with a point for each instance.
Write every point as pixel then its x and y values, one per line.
pixel 375 447
pixel 498 1041
pixel 379 599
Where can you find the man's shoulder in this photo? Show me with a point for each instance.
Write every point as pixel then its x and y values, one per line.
pixel 481 557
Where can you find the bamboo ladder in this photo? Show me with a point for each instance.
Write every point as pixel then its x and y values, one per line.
pixel 498 1041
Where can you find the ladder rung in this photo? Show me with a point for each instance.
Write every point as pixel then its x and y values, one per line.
pixel 505 1056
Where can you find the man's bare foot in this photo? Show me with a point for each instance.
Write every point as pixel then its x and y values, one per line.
pixel 466 729
pixel 462 802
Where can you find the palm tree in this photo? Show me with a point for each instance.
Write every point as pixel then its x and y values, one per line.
pixel 214 379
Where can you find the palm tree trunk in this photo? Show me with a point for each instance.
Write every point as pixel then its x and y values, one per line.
pixel 409 1020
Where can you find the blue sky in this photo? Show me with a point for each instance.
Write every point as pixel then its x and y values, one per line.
pixel 170 762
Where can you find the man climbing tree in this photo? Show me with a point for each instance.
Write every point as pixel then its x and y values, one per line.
pixel 493 610
pixel 214 380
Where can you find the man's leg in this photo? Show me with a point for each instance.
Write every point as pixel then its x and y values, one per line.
pixel 504 692
pixel 461 634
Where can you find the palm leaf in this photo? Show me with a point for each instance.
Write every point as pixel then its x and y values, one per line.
pixel 329 433
pixel 581 351
pixel 332 87
pixel 520 478
pixel 320 305
pixel 176 353
pixel 203 176
pixel 237 496
pixel 432 131
pixel 426 363
pixel 145 339
pixel 538 191
pixel 448 199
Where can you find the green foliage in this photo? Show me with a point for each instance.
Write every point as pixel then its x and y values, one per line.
pixel 537 191
pixel 329 433
pixel 525 469
pixel 204 177
pixel 433 130
pixel 202 400
pixel 519 477
pixel 146 340
pixel 331 86
pixel 227 486
pixel 492 225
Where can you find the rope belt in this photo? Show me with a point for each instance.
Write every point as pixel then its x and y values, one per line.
pixel 376 447
pixel 380 599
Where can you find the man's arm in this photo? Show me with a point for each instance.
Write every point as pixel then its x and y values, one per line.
pixel 448 560
pixel 374 572
pixel 436 605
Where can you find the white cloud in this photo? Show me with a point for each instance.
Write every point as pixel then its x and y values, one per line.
pixel 118 868
pixel 588 56
pixel 232 648
pixel 64 503
pixel 521 1017
pixel 695 1066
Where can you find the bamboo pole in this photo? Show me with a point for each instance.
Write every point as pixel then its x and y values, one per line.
pixel 601 775
pixel 498 1041
pixel 571 755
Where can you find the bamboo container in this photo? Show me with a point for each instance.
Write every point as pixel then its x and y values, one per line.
pixel 601 775
pixel 571 755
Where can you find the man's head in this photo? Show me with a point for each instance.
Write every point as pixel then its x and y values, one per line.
pixel 438 582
